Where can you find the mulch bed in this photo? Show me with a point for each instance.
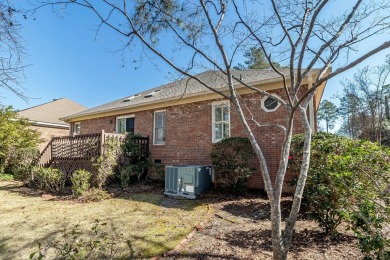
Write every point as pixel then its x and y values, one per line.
pixel 240 229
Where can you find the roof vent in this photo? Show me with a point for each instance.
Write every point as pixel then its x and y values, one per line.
pixel 151 94
pixel 131 98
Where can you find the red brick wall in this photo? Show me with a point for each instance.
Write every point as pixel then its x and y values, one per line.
pixel 189 136
pixel 47 133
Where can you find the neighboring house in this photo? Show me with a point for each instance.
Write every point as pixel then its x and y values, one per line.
pixel 183 118
pixel 45 118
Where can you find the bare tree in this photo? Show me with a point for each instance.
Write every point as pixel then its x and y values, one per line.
pixel 363 103
pixel 211 33
pixel 11 50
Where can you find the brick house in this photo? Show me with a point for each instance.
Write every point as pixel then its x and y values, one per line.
pixel 45 118
pixel 183 119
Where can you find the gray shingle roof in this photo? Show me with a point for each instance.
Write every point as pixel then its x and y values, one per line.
pixel 181 88
pixel 51 112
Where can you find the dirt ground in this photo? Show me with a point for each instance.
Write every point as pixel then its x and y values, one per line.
pixel 239 228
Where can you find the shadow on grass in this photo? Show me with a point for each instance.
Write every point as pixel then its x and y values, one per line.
pixel 55 244
pixel 3 245
pixel 141 194
pixel 164 201
pixel 261 239
pixel 12 253
pixel 20 188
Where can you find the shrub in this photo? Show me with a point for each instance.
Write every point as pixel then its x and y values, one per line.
pixel 22 161
pixel 231 157
pixel 348 180
pixel 106 163
pixel 159 170
pixel 80 182
pixel 49 179
pixel 134 160
pixel 14 135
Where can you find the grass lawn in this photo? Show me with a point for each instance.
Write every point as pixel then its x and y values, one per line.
pixel 149 222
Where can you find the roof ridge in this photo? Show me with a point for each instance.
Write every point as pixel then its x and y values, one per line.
pixel 53 100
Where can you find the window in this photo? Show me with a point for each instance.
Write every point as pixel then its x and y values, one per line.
pixel 76 128
pixel 125 124
pixel 159 127
pixel 269 104
pixel 221 121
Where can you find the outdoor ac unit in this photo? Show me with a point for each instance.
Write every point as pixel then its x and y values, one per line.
pixel 187 181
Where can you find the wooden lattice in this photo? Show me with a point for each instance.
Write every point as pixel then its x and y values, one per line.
pixel 71 153
pixel 69 166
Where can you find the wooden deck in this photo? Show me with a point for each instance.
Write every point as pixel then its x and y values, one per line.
pixel 70 153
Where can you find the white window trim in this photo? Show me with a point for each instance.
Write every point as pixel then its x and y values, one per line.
pixel 213 105
pixel 266 109
pixel 74 128
pixel 121 117
pixel 154 126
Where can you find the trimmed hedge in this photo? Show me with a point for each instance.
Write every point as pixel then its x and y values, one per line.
pixel 231 157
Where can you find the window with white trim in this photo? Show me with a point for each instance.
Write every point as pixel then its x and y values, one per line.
pixel 159 127
pixel 125 124
pixel 76 128
pixel 221 121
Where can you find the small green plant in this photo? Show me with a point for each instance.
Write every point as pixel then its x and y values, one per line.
pixel 6 177
pixel 124 176
pixel 80 182
pixel 231 157
pixel 78 244
pixel 49 179
pixel 95 194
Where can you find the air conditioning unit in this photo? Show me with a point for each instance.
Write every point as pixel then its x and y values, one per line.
pixel 187 181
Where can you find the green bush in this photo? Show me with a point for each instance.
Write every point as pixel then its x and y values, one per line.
pixel 49 179
pixel 134 160
pixel 106 163
pixel 348 181
pixel 15 135
pixel 80 182
pixel 22 162
pixel 159 170
pixel 231 157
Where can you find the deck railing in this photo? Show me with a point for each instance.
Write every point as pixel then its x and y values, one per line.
pixel 82 147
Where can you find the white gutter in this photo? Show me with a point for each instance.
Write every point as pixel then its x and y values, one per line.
pixel 38 123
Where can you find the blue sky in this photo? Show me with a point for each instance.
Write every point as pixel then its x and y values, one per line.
pixel 66 60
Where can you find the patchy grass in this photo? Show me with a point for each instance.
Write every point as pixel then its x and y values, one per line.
pixel 6 177
pixel 151 223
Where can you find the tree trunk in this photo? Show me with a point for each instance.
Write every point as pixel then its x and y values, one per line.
pixel 279 251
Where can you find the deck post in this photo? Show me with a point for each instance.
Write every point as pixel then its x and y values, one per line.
pixel 102 139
